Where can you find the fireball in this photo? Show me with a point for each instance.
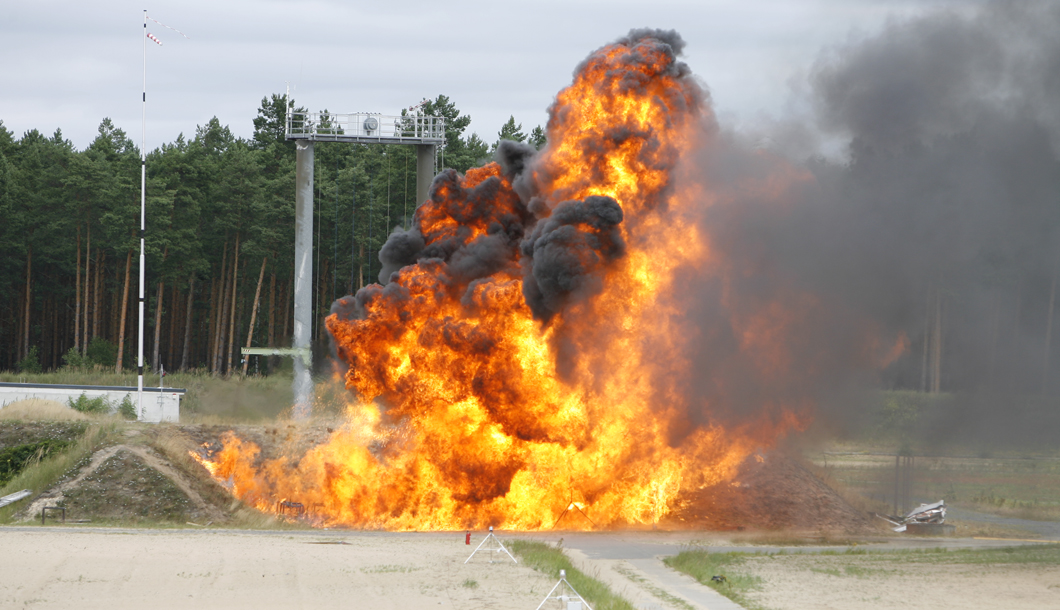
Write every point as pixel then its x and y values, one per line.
pixel 530 357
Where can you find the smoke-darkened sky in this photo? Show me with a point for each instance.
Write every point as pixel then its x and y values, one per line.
pixel 69 64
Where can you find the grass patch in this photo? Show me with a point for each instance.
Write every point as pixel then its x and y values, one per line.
pixel 469 583
pixel 1042 554
pixel 392 569
pixel 550 560
pixel 14 459
pixel 704 566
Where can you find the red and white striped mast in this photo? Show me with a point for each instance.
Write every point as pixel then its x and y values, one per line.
pixel 143 213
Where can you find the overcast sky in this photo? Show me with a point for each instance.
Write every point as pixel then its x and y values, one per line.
pixel 68 64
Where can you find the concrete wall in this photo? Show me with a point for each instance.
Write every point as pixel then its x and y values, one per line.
pixel 160 404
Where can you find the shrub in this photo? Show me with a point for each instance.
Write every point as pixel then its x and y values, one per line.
pixel 101 352
pixel 73 359
pixel 31 363
pixel 127 409
pixel 84 404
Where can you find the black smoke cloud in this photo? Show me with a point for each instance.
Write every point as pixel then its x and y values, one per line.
pixel 560 258
pixel 563 256
pixel 940 219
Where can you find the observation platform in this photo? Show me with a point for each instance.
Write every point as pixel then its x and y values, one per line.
pixel 365 128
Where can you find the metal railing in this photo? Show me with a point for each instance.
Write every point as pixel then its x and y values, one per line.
pixel 365 127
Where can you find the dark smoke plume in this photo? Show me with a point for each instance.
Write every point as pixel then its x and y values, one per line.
pixel 562 258
pixel 942 220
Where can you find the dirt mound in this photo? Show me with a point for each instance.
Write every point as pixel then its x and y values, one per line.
pixel 127 483
pixel 39 409
pixel 772 492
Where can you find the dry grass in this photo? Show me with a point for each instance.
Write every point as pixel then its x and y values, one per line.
pixel 39 409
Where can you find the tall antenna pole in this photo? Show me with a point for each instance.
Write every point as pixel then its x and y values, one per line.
pixel 143 207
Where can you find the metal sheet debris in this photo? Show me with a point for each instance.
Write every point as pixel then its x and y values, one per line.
pixel 934 513
pixel 15 497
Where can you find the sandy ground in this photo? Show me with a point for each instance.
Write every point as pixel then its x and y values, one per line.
pixel 65 567
pixel 75 567
pixel 827 583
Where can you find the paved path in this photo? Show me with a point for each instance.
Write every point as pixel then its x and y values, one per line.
pixel 631 564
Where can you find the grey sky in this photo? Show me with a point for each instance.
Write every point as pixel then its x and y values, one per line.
pixel 69 64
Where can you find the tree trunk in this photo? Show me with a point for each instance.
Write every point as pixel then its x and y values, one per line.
pixel 995 324
pixel 272 319
pixel 88 279
pixel 927 345
pixel 187 323
pixel 288 298
pixel 360 269
pixel 96 317
pixel 222 309
pixel 232 315
pixel 321 311
pixel 240 310
pixel 272 309
pixel 174 315
pixel 115 308
pixel 55 332
pixel 254 313
pixel 211 324
pixel 1049 330
pixel 17 313
pixel 124 310
pixel 936 346
pixel 158 328
pixel 222 322
pixel 77 294
pixel 29 290
pixel 158 316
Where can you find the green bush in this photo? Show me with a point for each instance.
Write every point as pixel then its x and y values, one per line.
pixel 101 352
pixel 84 404
pixel 14 459
pixel 127 409
pixel 73 360
pixel 31 363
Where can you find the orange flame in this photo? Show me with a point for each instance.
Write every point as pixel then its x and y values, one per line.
pixel 471 412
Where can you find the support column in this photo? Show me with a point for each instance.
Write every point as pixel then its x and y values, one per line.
pixel 303 275
pixel 425 171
